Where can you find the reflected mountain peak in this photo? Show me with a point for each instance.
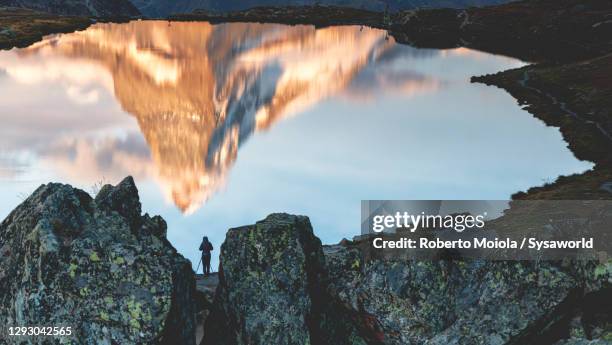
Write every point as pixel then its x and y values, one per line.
pixel 198 91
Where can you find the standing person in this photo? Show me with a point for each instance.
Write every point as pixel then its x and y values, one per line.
pixel 206 247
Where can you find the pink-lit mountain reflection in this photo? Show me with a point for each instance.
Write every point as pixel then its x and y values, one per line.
pixel 196 91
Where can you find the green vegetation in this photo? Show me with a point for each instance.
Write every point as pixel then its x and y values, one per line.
pixel 20 28
pixel 577 98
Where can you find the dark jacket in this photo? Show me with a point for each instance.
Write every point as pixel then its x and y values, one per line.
pixel 206 247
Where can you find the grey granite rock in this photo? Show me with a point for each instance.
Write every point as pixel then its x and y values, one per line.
pixel 278 285
pixel 97 266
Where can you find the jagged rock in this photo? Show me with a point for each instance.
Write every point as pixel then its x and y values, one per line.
pixel 95 265
pixel 469 302
pixel 279 286
pixel 440 302
pixel 272 288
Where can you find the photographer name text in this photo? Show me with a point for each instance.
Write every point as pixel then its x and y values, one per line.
pixel 481 243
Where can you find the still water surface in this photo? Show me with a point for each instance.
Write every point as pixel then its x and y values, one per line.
pixel 223 124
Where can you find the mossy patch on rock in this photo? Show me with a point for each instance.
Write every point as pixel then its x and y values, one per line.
pixel 278 285
pixel 89 264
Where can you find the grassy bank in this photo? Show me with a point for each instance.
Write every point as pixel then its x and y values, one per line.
pixel 20 28
pixel 570 42
pixel 569 86
pixel 577 98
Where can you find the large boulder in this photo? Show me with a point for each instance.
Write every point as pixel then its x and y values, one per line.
pixel 272 288
pixel 472 301
pixel 97 266
pixel 446 302
pixel 278 285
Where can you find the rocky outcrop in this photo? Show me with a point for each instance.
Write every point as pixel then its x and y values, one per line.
pixel 96 265
pixel 95 8
pixel 278 285
pixel 272 288
pixel 458 302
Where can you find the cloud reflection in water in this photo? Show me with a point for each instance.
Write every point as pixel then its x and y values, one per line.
pixel 197 93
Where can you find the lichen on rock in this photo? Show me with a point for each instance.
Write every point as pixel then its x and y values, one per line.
pixel 96 265
pixel 279 285
pixel 272 288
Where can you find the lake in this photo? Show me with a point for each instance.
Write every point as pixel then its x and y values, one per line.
pixel 221 125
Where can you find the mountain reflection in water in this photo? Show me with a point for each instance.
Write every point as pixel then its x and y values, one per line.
pixel 173 106
pixel 199 91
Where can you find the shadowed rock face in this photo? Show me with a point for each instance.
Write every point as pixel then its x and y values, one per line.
pixel 271 288
pixel 279 286
pixel 96 265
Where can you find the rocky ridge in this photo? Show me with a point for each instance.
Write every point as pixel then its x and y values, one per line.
pixel 270 289
pixel 96 265
pixel 278 285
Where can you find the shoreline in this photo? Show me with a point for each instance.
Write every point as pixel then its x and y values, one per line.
pixel 20 28
pixel 335 293
pixel 522 30
pixel 582 116
pixel 533 86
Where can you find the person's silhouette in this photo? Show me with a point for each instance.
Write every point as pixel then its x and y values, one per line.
pixel 206 247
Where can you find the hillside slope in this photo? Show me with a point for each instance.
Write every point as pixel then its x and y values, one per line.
pixel 21 27
pixel 162 8
pixel 569 42
pixel 96 8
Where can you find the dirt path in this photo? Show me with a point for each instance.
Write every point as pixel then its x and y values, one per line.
pixel 562 105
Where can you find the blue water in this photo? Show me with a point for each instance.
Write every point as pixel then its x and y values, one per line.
pixel 222 125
